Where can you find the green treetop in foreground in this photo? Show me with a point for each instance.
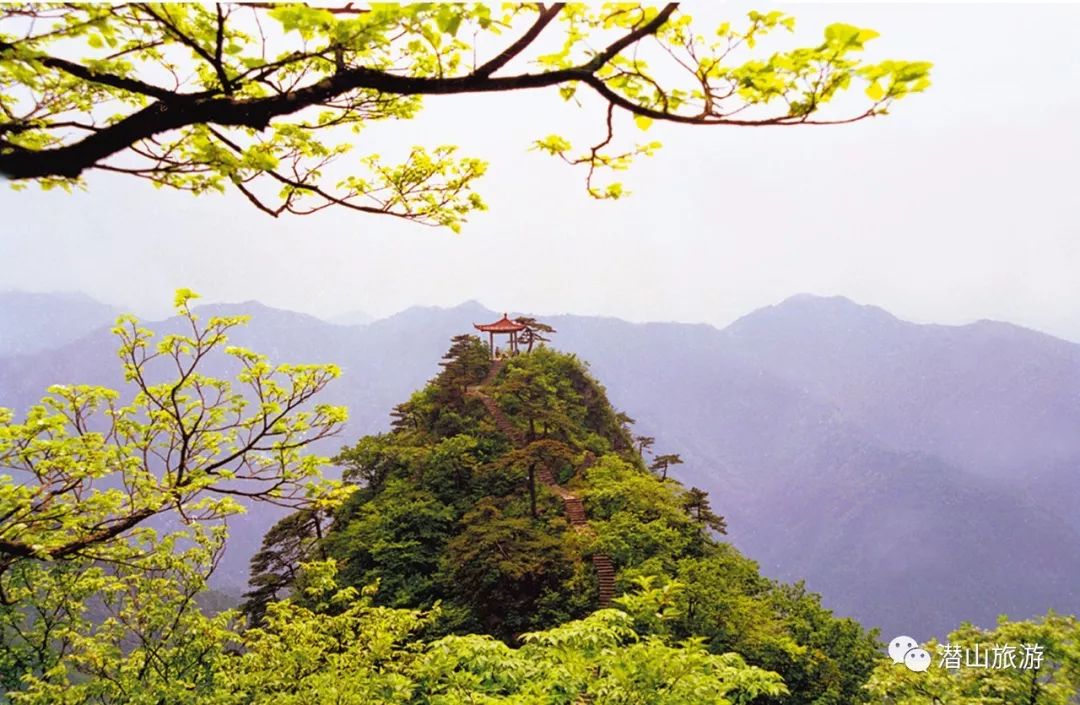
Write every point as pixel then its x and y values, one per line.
pixel 203 97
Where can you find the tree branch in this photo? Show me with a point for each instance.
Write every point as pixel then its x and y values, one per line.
pixel 545 18
pixel 187 41
pixel 16 549
pixel 638 34
pixel 79 71
pixel 173 110
pixel 182 110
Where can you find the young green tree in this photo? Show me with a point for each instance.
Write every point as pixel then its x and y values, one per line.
pixel 374 459
pixel 141 638
pixel 205 97
pixel 543 398
pixel 89 466
pixel 639 521
pixel 535 456
pixel 723 599
pixel 443 407
pixel 464 365
pixel 87 470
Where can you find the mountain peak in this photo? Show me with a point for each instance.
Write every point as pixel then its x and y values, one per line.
pixel 809 312
pixel 35 321
pixel 835 304
pixel 465 313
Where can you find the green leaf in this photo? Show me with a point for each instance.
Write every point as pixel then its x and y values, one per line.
pixel 182 297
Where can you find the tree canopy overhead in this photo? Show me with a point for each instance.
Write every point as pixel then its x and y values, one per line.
pixel 203 97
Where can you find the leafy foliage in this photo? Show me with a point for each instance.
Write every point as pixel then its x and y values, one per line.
pixel 90 466
pixel 368 654
pixel 511 572
pixel 85 584
pixel 256 96
pixel 448 513
pixel 396 540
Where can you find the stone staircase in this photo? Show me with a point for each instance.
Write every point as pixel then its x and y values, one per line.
pixel 493 372
pixel 574 507
pixel 605 577
pixel 501 422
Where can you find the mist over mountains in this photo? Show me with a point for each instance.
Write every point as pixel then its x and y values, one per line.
pixel 915 475
pixel 30 322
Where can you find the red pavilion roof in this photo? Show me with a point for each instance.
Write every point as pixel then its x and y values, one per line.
pixel 503 325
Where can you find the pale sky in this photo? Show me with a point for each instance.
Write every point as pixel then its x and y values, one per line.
pixel 960 205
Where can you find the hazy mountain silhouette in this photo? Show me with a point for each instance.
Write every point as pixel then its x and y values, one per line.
pixel 351 318
pixel 916 475
pixel 30 322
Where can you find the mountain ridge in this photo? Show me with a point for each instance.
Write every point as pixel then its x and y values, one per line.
pixel 791 411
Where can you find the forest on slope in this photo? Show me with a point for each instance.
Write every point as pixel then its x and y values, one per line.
pixel 448 566
pixel 450 511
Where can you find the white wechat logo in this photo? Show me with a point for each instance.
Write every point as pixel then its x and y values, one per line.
pixel 905 650
pixel 917 660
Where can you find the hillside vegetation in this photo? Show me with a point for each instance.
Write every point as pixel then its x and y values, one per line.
pixel 451 510
pixel 503 544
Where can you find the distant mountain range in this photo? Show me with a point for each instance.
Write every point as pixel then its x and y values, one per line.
pixel 915 475
pixel 30 322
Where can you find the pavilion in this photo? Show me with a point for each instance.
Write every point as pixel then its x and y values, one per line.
pixel 503 326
